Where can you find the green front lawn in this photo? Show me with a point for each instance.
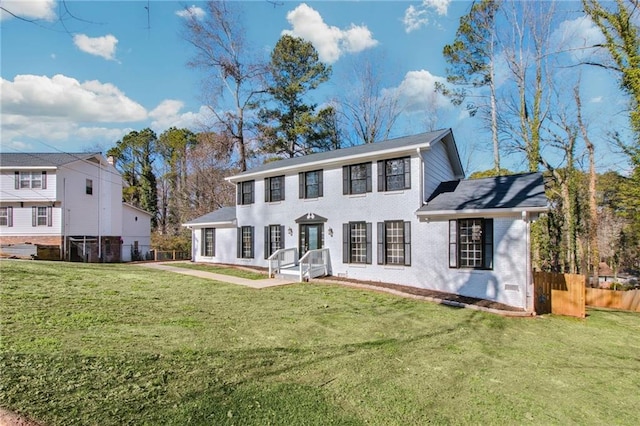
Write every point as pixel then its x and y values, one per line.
pixel 121 344
pixel 225 270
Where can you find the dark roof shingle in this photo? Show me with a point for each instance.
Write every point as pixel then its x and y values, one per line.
pixel 502 192
pixel 223 214
pixel 42 159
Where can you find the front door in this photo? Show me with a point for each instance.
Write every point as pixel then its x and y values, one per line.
pixel 311 237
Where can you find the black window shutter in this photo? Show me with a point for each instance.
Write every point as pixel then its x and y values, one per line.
pixel 368 177
pixel 453 243
pixel 407 243
pixel 17 179
pixel 282 189
pixel 320 184
pixel 34 216
pixel 203 241
pixel 252 184
pixel 369 243
pixel 239 243
pixel 346 180
pixel 49 216
pixel 9 216
pixel 381 176
pixel 253 241
pixel 266 242
pixel 267 190
pixel 301 185
pixel 407 173
pixel 239 193
pixel 381 257
pixel 345 243
pixel 213 241
pixel 488 244
pixel 282 245
pixel 44 180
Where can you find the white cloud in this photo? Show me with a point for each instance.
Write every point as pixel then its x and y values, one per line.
pixel 65 98
pixel 104 46
pixel 168 114
pixel 417 91
pixel 191 12
pixel 331 42
pixel 416 17
pixel 576 36
pixel 596 100
pixel 32 9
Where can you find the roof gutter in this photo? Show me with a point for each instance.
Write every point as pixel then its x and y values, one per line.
pixel 471 212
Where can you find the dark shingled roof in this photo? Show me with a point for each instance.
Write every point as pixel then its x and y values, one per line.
pixel 42 159
pixel 397 143
pixel 223 214
pixel 503 192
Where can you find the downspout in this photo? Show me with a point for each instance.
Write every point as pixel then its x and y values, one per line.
pixel 529 290
pixel 63 211
pixel 99 210
pixel 421 178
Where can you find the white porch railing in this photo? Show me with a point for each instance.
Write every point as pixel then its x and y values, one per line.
pixel 314 263
pixel 281 259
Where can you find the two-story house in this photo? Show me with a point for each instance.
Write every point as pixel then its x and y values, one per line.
pixel 73 201
pixel 396 211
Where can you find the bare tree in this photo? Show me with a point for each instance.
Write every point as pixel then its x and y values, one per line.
pixel 233 75
pixel 369 110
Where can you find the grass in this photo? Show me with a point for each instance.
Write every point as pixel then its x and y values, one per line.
pixel 225 270
pixel 120 344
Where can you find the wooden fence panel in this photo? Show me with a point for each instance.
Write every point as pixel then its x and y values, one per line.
pixel 561 294
pixel 614 299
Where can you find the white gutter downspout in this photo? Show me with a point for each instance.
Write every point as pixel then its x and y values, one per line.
pixel 528 297
pixel 421 178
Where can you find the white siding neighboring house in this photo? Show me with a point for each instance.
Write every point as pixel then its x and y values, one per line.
pixel 396 211
pixel 68 200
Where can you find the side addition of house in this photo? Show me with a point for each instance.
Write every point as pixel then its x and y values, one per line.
pixel 72 201
pixel 397 211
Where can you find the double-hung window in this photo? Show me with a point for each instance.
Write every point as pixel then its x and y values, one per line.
pixel 245 192
pixel 356 242
pixel 273 239
pixel 394 174
pixel 394 243
pixel 41 216
pixel 273 189
pixel 31 180
pixel 471 243
pixel 356 179
pixel 310 184
pixel 6 216
pixel 208 242
pixel 245 242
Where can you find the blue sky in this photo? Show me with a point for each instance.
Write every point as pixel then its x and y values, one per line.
pixel 82 74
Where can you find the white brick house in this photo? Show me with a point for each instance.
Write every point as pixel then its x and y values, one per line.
pixel 68 200
pixel 396 211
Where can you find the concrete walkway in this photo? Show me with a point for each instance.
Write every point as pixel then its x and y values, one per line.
pixel 169 266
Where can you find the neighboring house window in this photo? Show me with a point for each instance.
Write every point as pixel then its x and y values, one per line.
pixel 6 216
pixel 273 239
pixel 208 242
pixel 394 243
pixel 245 242
pixel 395 174
pixel 310 184
pixel 89 187
pixel 356 179
pixel 245 192
pixel 41 216
pixel 273 189
pixel 30 180
pixel 471 243
pixel 356 242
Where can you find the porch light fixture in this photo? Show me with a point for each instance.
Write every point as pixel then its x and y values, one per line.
pixel 290 231
pixel 330 232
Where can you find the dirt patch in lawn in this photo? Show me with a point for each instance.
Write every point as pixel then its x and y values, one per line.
pixel 9 418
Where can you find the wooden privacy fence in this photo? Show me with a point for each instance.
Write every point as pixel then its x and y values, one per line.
pixel 561 294
pixel 614 299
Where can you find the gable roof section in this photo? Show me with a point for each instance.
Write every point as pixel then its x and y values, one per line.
pixel 42 160
pixel 365 152
pixel 515 193
pixel 222 216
